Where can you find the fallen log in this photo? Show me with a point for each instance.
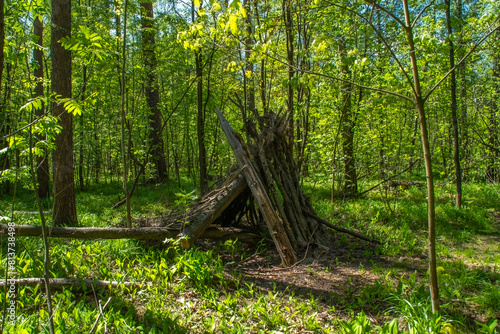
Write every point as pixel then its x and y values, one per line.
pixel 75 283
pixel 137 233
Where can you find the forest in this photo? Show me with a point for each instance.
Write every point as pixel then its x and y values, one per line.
pixel 250 166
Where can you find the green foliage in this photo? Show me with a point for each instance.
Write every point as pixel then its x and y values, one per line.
pixel 199 291
pixel 191 290
pixel 412 303
pixel 86 44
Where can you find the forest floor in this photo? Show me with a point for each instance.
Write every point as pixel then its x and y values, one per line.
pixel 231 287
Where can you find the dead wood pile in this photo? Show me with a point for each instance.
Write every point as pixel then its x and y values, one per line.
pixel 265 187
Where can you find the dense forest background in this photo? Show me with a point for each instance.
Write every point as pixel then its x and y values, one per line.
pixel 342 71
pixel 375 95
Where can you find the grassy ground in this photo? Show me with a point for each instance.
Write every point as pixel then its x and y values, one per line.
pixel 354 287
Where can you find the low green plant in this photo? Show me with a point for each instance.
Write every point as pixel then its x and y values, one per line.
pixel 488 328
pixel 412 303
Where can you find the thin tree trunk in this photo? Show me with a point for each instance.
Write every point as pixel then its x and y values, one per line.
pixel 347 129
pixel 287 13
pixel 428 163
pixel 492 170
pixel 152 91
pixel 303 92
pixel 453 91
pixel 200 124
pixel 202 153
pixel 82 133
pixel 63 187
pixel 463 96
pixel 249 67
pixel 42 163
pixel 46 245
pixel 124 119
pixel 4 159
pixel 2 39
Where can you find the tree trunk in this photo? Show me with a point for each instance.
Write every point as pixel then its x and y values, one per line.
pixel 249 67
pixel 42 163
pixel 124 111
pixel 464 134
pixel 303 91
pixel 347 129
pixel 82 133
pixel 2 39
pixel 493 170
pixel 419 102
pixel 453 91
pixel 202 152
pixel 4 158
pixel 152 91
pixel 200 120
pixel 287 13
pixel 63 187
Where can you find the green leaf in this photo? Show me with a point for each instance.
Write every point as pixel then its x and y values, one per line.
pixel 233 23
pixel 72 107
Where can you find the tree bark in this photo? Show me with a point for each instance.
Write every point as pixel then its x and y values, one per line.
pixel 42 168
pixel 63 187
pixel 152 91
pixel 453 91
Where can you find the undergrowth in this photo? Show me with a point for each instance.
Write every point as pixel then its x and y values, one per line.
pixel 201 290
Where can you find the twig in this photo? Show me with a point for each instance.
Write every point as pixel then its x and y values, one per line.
pixel 101 314
pixel 101 309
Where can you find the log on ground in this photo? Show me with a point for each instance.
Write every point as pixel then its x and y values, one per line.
pixel 139 233
pixel 74 283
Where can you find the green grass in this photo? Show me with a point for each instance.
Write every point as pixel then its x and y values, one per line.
pixel 202 290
